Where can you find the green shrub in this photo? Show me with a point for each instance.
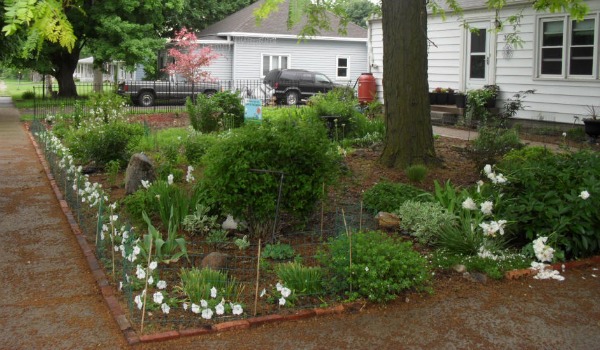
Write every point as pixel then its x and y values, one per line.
pixel 278 251
pixel 196 145
pixel 424 220
pixel 465 237
pixel 342 103
pixel 170 202
pixel 200 222
pixel 493 143
pixel 223 110
pixel 243 170
pixel 302 280
pixel 416 173
pixel 102 143
pixel 28 95
pixel 544 198
pixel 387 196
pixel 381 266
pixel 105 107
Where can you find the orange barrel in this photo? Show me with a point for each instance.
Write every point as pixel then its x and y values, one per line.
pixel 367 88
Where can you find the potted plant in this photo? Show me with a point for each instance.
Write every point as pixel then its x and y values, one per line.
pixel 592 122
pixel 460 99
pixel 441 96
pixel 451 96
pixel 493 94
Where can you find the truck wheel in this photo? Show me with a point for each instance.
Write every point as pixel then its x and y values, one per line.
pixel 291 98
pixel 146 99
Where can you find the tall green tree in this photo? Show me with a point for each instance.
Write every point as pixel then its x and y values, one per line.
pixel 358 11
pixel 409 136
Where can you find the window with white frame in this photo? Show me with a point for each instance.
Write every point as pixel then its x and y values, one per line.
pixel 342 67
pixel 270 62
pixel 568 48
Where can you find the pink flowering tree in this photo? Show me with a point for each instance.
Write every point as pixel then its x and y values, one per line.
pixel 190 57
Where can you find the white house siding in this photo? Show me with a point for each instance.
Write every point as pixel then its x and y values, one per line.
pixel 375 52
pixel 313 55
pixel 222 67
pixel 555 100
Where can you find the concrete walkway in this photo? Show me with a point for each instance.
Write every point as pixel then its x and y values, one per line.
pixel 48 297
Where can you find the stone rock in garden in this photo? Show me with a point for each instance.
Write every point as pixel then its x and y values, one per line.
pixel 476 277
pixel 459 268
pixel 229 223
pixel 387 220
pixel 139 168
pixel 215 261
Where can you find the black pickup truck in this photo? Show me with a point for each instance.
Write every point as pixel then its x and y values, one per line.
pixel 146 93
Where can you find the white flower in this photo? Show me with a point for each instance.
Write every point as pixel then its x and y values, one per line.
pixel 213 292
pixel 189 177
pixel 487 169
pixel 116 248
pixel 237 309
pixel 285 292
pixel 195 308
pixel 165 308
pixel 185 306
pixel 161 284
pixel 145 184
pixel 207 314
pixel 263 292
pixel 486 207
pixel 203 303
pixel 150 280
pixel 564 134
pixel 158 297
pixel 469 204
pixel 500 179
pixel 543 252
pixel 113 218
pixel 136 250
pixel 140 273
pixel 120 285
pixel 220 309
pixel 138 301
pixel 366 268
pixel 584 195
pixel 282 301
pixel 278 286
pixel 153 265
pixel 479 184
pixel 170 179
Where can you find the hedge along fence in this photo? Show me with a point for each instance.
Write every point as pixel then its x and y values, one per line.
pixel 258 291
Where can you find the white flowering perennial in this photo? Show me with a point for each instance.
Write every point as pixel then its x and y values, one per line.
pixel 493 227
pixel 584 195
pixel 544 253
pixel 206 311
pixel 189 177
pixel 495 178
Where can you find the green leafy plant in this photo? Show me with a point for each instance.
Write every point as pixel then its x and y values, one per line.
pixel 164 250
pixel 200 222
pixel 113 167
pixel 196 284
pixel 244 170
pixel 196 145
pixel 278 251
pixel 303 280
pixel 492 143
pixel 380 267
pixel 105 107
pixel 424 219
pixel 494 266
pixel 208 114
pixel 28 95
pixel 242 243
pixel 466 238
pixel 416 172
pixel 217 237
pixel 170 202
pixel 388 196
pixel 555 194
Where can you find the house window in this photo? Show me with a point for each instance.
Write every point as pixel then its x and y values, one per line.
pixel 270 62
pixel 568 48
pixel 343 67
pixel 478 53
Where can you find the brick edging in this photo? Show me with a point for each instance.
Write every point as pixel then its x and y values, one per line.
pixel 516 274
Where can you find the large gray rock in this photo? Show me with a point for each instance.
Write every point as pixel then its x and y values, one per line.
pixel 139 168
pixel 215 261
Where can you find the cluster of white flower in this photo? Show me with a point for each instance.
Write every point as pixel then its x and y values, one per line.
pixel 486 207
pixel 189 177
pixel 543 252
pixel 486 254
pixel 285 293
pixel 91 193
pixel 146 184
pixel 495 178
pixel 543 274
pixel 170 179
pixel 158 297
pixel 584 195
pixel 490 229
pixel 205 310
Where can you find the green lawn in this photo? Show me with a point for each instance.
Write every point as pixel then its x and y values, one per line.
pixel 15 89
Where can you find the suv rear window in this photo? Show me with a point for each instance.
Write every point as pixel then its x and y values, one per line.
pixel 289 75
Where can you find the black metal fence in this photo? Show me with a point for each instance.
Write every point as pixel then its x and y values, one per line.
pixel 171 99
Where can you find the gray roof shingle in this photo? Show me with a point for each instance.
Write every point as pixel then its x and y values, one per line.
pixel 244 21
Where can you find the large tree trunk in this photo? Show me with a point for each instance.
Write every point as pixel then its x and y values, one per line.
pixel 64 64
pixel 409 136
